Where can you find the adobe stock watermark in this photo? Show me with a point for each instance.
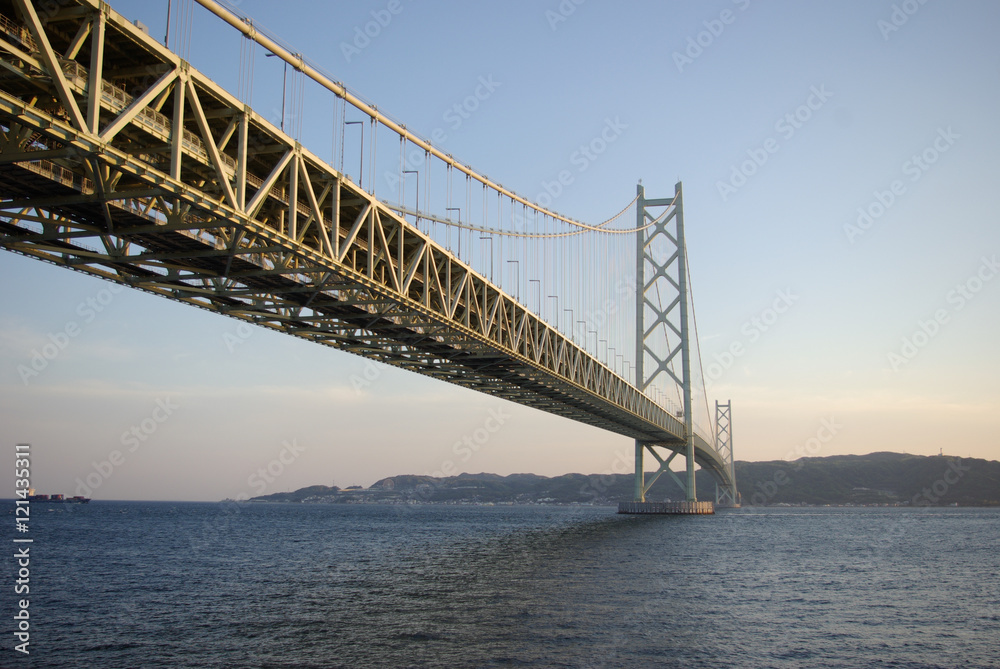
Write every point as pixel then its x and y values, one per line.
pixel 899 17
pixel 958 297
pixel 935 492
pixel 562 12
pixel 901 524
pixel 259 483
pixel 132 439
pixel 371 30
pixel 786 127
pixel 582 158
pixel 469 444
pixel 238 337
pixel 752 330
pixel 622 464
pixel 704 39
pixel 370 374
pixel 828 429
pixel 454 117
pixel 767 490
pixel 914 167
pixel 269 473
pixel 597 317
pixel 87 310
pixel 473 442
pixel 463 111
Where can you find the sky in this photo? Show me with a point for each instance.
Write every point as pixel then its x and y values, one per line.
pixel 839 167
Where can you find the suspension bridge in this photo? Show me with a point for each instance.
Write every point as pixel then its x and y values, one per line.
pixel 121 160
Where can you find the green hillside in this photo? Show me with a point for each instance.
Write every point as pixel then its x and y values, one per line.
pixel 871 479
pixel 878 478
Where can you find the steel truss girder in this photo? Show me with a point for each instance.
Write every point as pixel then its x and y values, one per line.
pixel 120 160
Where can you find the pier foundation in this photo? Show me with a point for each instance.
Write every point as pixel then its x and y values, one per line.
pixel 667 508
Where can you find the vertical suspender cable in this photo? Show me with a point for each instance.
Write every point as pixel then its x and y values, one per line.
pixel 253 68
pixel 373 154
pixel 302 100
pixel 343 129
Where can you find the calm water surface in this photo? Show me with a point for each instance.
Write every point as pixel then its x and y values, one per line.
pixel 214 585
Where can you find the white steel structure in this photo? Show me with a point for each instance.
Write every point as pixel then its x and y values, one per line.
pixel 120 160
pixel 726 493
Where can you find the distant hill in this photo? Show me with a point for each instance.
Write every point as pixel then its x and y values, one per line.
pixel 312 493
pixel 872 479
pixel 878 478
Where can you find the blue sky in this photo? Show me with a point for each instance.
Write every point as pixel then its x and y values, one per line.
pixel 838 107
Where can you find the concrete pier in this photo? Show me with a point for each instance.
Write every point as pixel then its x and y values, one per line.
pixel 668 508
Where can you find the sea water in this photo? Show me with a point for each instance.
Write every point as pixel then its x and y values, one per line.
pixel 139 584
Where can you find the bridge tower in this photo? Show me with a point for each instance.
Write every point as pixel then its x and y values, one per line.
pixel 661 312
pixel 725 495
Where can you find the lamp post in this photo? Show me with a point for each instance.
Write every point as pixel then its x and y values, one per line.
pixel 416 216
pixel 538 303
pixel 361 161
pixel 459 210
pixel 517 275
pixel 284 81
pixel 490 240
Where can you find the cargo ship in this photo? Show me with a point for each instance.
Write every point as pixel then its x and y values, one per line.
pixel 57 499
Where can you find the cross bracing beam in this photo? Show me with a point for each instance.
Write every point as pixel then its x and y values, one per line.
pixel 231 215
pixel 726 493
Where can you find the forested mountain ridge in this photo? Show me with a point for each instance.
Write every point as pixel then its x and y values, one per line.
pixel 878 478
